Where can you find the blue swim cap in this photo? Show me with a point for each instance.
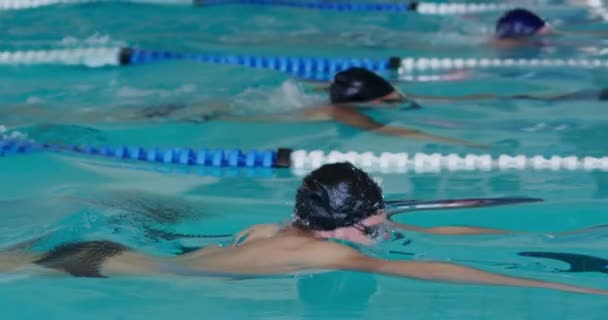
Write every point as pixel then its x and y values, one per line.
pixel 518 23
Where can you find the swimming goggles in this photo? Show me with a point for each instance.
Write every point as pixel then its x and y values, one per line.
pixel 379 232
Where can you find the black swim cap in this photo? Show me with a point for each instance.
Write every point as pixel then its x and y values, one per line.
pixel 518 23
pixel 358 85
pixel 336 195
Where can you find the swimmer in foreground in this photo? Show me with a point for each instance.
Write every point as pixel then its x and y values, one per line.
pixel 335 202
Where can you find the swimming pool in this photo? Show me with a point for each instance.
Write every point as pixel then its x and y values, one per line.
pixel 90 197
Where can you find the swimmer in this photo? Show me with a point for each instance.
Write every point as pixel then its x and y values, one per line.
pixel 515 27
pixel 351 92
pixel 521 33
pixel 357 85
pixel 335 202
pixel 520 26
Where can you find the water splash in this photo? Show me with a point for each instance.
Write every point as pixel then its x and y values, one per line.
pixel 7 135
pixel 290 96
pixel 95 39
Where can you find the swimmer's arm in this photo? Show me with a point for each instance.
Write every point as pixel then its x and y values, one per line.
pixel 446 272
pixel 577 95
pixel 352 117
pixel 470 97
pixel 451 230
pixel 305 114
pixel 487 96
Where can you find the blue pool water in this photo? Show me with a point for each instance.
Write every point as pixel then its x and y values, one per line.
pixel 80 197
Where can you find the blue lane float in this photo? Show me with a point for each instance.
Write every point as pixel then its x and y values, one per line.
pixel 303 161
pixel 425 8
pixel 318 5
pixel 233 158
pixel 304 67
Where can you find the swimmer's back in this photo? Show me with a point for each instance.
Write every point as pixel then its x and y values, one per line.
pixel 272 251
pixel 285 252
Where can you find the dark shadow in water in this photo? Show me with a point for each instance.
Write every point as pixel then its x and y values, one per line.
pixel 152 207
pixel 577 262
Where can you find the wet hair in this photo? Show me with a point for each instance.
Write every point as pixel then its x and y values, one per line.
pixel 518 23
pixel 358 85
pixel 334 196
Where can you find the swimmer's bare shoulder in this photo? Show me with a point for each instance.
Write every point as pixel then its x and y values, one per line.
pixel 258 231
pixel 285 252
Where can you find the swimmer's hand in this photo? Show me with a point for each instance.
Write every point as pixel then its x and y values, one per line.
pixel 255 232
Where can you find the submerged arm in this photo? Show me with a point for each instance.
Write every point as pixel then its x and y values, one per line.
pixel 469 97
pixel 586 94
pixel 451 230
pixel 350 116
pixel 577 95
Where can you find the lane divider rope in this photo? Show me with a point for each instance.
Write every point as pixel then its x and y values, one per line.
pixel 426 8
pixel 304 67
pixel 302 161
pixel 201 157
